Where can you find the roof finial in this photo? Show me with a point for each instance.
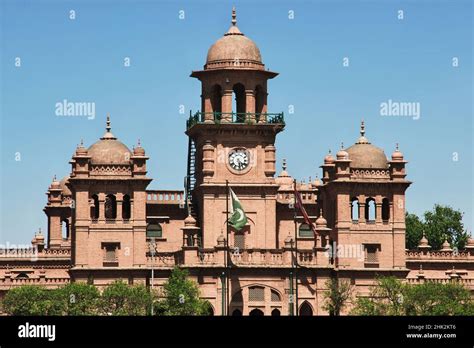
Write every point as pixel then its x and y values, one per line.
pixel 396 146
pixel 54 177
pixel 139 144
pixel 107 127
pixel 234 16
pixel 362 129
pixel 284 164
pixel 342 145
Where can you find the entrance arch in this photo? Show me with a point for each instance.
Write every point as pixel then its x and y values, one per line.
pixel 256 312
pixel 306 310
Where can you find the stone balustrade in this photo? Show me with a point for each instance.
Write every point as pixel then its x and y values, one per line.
pixel 165 197
pixel 438 255
pixel 49 282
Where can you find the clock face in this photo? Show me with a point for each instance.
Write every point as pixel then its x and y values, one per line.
pixel 239 159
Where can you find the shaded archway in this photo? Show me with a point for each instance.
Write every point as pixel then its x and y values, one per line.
pixel 354 209
pixel 370 212
pixel 95 207
pixel 276 312
pixel 259 99
pixel 216 100
pixel 306 310
pixel 256 312
pixel 237 313
pixel 385 210
pixel 110 207
pixel 126 207
pixel 238 102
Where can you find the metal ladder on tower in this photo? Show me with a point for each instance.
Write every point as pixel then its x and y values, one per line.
pixel 190 183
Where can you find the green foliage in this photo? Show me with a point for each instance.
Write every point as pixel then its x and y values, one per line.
pixel 31 300
pixel 337 295
pixel 181 296
pixel 440 223
pixel 79 299
pixel 120 298
pixel 392 297
pixel 438 299
pixel 414 230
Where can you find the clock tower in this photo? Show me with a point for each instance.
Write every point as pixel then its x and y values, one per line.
pixel 231 140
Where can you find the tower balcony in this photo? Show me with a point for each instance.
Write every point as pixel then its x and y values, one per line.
pixel 234 118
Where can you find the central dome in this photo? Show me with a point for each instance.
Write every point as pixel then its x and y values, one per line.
pixel 233 51
pixel 365 155
pixel 108 150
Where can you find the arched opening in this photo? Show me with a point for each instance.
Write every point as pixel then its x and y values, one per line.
pixel 95 207
pixel 256 294
pixel 259 99
pixel 370 213
pixel 385 210
pixel 276 312
pixel 65 229
pixel 216 101
pixel 237 313
pixel 275 296
pixel 209 311
pixel 22 275
pixel 154 230
pixel 238 102
pixel 355 209
pixel 110 207
pixel 306 310
pixel 305 231
pixel 126 208
pixel 256 312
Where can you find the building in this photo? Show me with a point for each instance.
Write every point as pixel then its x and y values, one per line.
pixel 104 224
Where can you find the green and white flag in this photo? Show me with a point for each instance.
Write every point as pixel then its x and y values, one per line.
pixel 238 219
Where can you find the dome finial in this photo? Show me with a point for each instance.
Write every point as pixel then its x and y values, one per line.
pixel 362 139
pixel 108 127
pixel 234 16
pixel 396 146
pixel 342 145
pixel 284 166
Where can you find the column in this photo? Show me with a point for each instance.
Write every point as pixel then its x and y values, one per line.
pixel 227 106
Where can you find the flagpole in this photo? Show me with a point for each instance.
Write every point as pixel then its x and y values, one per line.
pixel 227 246
pixel 296 249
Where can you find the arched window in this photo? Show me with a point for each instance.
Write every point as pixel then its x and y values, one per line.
pixel 276 312
pixel 256 294
pixel 385 209
pixel 65 228
pixel 110 207
pixel 275 296
pixel 154 230
pixel 259 99
pixel 238 102
pixel 370 213
pixel 22 275
pixel 95 207
pixel 256 312
pixel 305 231
pixel 237 313
pixel 239 240
pixel 126 209
pixel 216 100
pixel 355 209
pixel 306 310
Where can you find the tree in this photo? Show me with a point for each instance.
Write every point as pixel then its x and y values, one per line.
pixel 443 222
pixel 79 299
pixel 438 299
pixel 386 298
pixel 32 300
pixel 120 298
pixel 181 296
pixel 337 295
pixel 414 230
pixel 392 297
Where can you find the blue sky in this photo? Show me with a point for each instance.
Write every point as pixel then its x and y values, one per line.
pixel 81 60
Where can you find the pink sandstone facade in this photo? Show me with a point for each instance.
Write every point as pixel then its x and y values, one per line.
pixel 104 224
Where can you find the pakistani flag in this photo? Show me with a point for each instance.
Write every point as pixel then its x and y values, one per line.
pixel 238 218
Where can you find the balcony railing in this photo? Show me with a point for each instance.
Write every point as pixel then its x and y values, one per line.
pixel 234 117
